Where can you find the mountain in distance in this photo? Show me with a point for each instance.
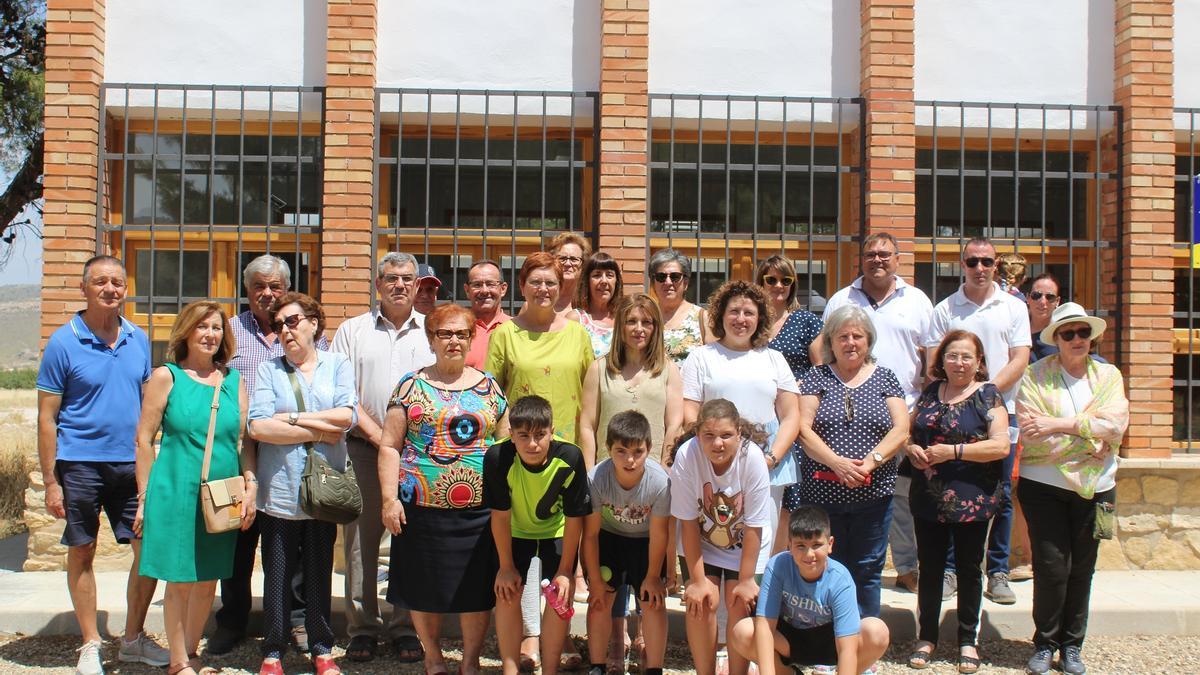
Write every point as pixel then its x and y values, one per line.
pixel 20 314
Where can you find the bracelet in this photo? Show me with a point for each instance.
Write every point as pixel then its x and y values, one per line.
pixel 958 452
pixel 252 481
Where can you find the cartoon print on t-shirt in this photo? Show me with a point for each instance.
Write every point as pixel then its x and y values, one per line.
pixel 628 514
pixel 722 526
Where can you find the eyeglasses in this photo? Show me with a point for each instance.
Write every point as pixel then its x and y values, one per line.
pixel 976 262
pixel 786 282
pixel 490 285
pixel 394 279
pixel 1068 335
pixel 569 260
pixel 291 322
pixel 849 407
pixel 445 335
pixel 1038 295
pixel 661 277
pixel 541 283
pixel 881 255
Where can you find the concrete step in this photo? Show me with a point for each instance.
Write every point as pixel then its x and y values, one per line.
pixel 1123 603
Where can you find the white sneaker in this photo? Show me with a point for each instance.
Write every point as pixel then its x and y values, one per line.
pixel 89 659
pixel 143 650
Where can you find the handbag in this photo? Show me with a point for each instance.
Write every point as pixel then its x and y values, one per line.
pixel 220 500
pixel 326 494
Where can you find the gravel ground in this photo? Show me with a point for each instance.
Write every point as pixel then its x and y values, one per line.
pixel 1128 654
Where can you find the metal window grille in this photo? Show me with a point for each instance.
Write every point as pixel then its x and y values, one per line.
pixel 463 175
pixel 1185 263
pixel 736 179
pixel 1038 179
pixel 195 181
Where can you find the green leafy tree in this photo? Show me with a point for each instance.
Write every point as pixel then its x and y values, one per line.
pixel 22 92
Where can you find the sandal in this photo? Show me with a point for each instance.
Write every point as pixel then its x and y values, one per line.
pixel 325 665
pixel 527 663
pixel 572 659
pixel 408 649
pixel 270 667
pixel 968 664
pixel 194 662
pixel 362 648
pixel 920 659
pixel 180 667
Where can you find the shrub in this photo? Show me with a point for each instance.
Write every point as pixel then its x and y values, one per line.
pixel 21 378
pixel 14 479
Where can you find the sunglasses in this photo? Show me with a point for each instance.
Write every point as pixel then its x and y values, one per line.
pixel 291 322
pixel 849 407
pixel 675 277
pixel 786 282
pixel 1068 335
pixel 1038 295
pixel 976 262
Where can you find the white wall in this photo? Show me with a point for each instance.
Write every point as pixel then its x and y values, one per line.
pixel 1014 51
pixel 1187 56
pixel 777 47
pixel 490 44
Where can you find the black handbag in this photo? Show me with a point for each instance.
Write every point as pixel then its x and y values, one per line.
pixel 326 494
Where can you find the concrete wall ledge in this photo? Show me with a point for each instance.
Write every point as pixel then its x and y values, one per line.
pixel 1179 462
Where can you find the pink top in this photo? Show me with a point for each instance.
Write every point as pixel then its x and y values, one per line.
pixel 483 331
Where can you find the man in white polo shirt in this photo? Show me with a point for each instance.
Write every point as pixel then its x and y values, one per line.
pixel 1002 323
pixel 901 315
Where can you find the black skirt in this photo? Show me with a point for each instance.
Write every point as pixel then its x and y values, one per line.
pixel 444 561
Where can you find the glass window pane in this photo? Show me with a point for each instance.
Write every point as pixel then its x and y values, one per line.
pixel 164 284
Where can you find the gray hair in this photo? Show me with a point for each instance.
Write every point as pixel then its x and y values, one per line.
pixel 395 258
pixel 670 255
pixel 268 266
pixel 98 259
pixel 841 317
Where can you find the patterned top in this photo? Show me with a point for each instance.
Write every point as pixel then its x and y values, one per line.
pixel 252 348
pixel 956 491
pixel 853 436
pixel 601 335
pixel 441 464
pixel 681 341
pixel 794 337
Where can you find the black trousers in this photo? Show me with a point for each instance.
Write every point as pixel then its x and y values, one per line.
pixel 1064 558
pixel 933 539
pixel 282 542
pixel 236 594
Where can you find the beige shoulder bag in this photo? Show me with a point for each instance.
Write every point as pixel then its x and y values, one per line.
pixel 220 500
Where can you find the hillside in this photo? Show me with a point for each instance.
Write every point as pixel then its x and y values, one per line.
pixel 20 315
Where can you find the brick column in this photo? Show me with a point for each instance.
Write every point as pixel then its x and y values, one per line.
pixel 74 72
pixel 886 58
pixel 348 217
pixel 1143 87
pixel 624 113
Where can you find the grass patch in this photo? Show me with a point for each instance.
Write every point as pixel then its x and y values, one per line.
pixel 19 378
pixel 15 465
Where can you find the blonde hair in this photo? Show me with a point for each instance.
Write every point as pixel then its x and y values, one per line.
pixel 1011 268
pixel 656 359
pixel 571 238
pixel 190 317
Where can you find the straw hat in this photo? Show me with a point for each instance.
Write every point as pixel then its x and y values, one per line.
pixel 1071 312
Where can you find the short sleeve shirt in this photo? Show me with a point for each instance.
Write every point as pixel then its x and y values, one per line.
pixel 628 512
pixel 851 438
pixel 724 505
pixel 750 380
pixel 803 604
pixel 956 491
pixel 794 339
pixel 540 498
pixel 101 390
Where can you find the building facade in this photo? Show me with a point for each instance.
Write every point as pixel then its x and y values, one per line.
pixel 187 138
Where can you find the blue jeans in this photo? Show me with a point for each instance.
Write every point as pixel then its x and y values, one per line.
pixel 1000 537
pixel 860 537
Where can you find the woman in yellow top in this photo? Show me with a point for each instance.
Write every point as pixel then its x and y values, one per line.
pixel 540 351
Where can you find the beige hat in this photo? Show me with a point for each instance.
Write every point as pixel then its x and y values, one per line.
pixel 1071 312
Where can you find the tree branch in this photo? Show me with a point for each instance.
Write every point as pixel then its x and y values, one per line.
pixel 24 188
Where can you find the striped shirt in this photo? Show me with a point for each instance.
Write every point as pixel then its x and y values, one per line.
pixel 252 347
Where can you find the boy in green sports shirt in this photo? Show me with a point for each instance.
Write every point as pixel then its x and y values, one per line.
pixel 537 488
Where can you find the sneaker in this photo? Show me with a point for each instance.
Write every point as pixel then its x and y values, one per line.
pixel 223 641
pixel 869 671
pixel 143 650
pixel 998 590
pixel 907 581
pixel 89 659
pixel 949 585
pixel 1021 573
pixel 1070 661
pixel 1040 662
pixel 824 670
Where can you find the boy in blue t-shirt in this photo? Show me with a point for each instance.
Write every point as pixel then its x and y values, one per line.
pixel 807 610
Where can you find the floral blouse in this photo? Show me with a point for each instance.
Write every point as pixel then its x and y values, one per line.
pixel 956 491
pixel 449 431
pixel 680 342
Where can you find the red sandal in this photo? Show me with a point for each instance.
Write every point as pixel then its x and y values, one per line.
pixel 326 666
pixel 270 667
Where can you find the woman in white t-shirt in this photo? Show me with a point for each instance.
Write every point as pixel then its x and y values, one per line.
pixel 741 368
pixel 719 496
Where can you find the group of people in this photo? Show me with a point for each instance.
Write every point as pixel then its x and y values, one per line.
pixel 598 446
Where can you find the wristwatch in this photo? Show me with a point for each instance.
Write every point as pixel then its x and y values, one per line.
pixel 293 417
pixel 877 457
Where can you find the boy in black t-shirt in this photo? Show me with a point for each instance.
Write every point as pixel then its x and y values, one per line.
pixel 537 488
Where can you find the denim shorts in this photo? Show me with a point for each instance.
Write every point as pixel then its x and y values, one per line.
pixel 89 487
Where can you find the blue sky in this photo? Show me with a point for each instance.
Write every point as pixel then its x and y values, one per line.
pixel 25 266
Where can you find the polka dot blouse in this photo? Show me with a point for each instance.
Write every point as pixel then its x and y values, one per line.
pixel 797 333
pixel 853 436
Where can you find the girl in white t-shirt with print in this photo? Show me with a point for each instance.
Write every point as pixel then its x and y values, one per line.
pixel 720 494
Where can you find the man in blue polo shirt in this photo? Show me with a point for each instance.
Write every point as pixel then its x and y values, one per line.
pixel 89 399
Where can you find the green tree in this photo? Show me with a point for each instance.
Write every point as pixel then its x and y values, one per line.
pixel 22 92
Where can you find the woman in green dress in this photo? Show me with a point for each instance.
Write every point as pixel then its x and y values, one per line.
pixel 176 546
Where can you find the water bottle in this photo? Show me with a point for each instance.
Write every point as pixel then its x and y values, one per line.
pixel 564 610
